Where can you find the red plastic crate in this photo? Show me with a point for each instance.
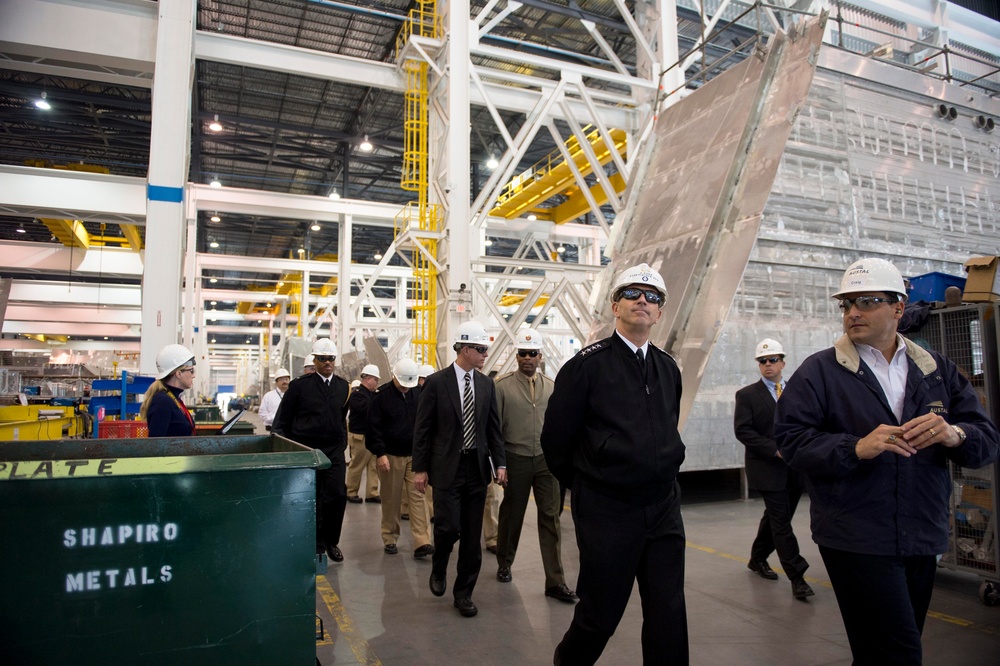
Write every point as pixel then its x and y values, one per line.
pixel 122 429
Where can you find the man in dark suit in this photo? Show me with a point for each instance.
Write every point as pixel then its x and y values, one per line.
pixel 456 441
pixel 767 473
pixel 313 413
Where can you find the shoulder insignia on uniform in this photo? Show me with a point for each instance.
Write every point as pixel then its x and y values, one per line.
pixel 597 346
pixel 505 376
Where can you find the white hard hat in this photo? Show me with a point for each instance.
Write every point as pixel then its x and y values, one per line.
pixel 172 357
pixel 281 373
pixel 471 333
pixel 641 274
pixel 309 362
pixel 324 347
pixel 426 370
pixel 356 383
pixel 528 338
pixel 871 275
pixel 768 347
pixel 372 370
pixel 406 372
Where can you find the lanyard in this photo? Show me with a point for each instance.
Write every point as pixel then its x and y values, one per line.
pixel 180 405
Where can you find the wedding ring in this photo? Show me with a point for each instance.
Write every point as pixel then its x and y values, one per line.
pixel 932 432
pixel 892 439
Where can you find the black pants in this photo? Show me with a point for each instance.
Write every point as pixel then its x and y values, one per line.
pixel 883 601
pixel 458 514
pixel 621 544
pixel 331 501
pixel 775 530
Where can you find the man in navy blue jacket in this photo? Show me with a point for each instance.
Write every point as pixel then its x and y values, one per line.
pixel 872 423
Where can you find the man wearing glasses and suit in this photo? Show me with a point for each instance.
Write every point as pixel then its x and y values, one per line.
pixel 457 445
pixel 610 434
pixel 767 473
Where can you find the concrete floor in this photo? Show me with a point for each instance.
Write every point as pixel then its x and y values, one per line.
pixel 377 608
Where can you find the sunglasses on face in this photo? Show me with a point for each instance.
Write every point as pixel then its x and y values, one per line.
pixel 481 350
pixel 527 352
pixel 773 360
pixel 864 303
pixel 324 359
pixel 633 293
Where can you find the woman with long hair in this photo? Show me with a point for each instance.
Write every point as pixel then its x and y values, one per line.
pixel 162 408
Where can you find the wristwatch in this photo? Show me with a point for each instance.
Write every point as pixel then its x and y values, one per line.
pixel 960 433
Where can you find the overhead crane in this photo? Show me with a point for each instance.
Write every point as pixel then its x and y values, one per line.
pixel 553 176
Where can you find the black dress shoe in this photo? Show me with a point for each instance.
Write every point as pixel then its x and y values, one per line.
pixel 492 549
pixel 562 593
pixel 423 551
pixel 437 585
pixel 374 500
pixel 465 607
pixel 503 575
pixel 354 499
pixel 334 554
pixel 762 569
pixel 390 549
pixel 404 516
pixel 801 589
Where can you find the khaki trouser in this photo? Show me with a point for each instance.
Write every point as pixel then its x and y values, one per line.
pixel 362 461
pixel 491 511
pixel 395 483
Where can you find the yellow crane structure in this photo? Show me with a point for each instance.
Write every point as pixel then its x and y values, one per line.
pixel 418 225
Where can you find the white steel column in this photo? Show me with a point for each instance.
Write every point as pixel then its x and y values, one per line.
pixel 168 166
pixel 455 173
pixel 345 315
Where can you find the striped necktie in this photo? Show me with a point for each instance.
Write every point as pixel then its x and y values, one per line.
pixel 469 414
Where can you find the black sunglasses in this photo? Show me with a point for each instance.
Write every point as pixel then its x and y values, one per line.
pixel 324 359
pixel 633 293
pixel 770 359
pixel 527 352
pixel 481 350
pixel 864 303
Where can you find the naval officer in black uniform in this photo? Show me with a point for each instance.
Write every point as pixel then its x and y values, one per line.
pixel 610 434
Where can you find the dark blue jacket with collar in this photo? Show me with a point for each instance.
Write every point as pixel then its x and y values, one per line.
pixel 890 505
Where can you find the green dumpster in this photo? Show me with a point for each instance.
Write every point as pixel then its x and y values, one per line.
pixel 158 551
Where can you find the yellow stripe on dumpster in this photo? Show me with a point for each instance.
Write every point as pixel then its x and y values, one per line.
pixel 16 470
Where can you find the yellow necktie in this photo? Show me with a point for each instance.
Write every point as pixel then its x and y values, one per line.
pixel 777 389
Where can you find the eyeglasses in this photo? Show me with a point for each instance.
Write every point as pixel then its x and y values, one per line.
pixel 527 352
pixel 633 293
pixel 773 360
pixel 324 359
pixel 481 350
pixel 191 370
pixel 864 303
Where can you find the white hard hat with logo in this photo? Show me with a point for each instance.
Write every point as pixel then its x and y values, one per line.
pixel 172 357
pixel 871 275
pixel 324 347
pixel 372 370
pixel 406 372
pixel 471 333
pixel 281 373
pixel 528 338
pixel 768 347
pixel 426 370
pixel 641 274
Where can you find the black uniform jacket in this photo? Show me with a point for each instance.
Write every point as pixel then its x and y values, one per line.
pixel 313 414
pixel 753 421
pixel 609 427
pixel 391 416
pixel 437 435
pixel 357 420
pixel 165 418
